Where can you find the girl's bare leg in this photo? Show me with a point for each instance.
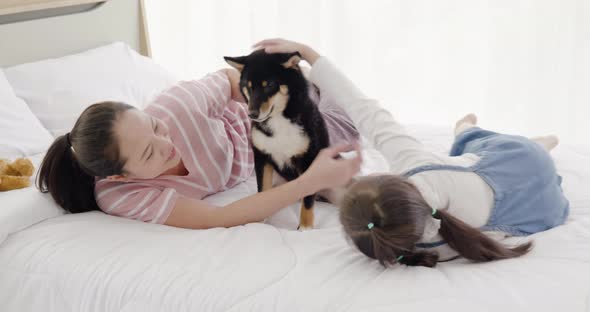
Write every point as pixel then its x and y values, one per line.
pixel 469 121
pixel 548 142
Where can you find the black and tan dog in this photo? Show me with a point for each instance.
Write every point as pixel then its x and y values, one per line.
pixel 288 130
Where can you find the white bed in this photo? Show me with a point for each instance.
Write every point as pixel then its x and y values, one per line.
pixel 96 262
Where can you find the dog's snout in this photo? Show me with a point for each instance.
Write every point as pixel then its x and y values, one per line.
pixel 253 114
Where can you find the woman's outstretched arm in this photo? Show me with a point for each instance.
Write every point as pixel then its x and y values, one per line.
pixel 325 172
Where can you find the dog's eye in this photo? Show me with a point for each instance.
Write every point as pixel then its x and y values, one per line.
pixel 270 85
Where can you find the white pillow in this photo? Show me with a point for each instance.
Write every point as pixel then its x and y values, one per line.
pixel 24 207
pixel 21 133
pixel 58 90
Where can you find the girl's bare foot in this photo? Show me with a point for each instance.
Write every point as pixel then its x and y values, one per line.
pixel 548 142
pixel 469 121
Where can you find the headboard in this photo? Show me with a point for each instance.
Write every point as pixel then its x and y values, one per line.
pixel 32 30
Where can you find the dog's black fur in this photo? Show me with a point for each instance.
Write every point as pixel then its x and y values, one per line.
pixel 279 132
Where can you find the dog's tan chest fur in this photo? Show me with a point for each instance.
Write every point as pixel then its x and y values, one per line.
pixel 288 140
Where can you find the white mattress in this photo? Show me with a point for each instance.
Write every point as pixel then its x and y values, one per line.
pixel 95 262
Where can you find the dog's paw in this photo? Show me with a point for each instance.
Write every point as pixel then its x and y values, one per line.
pixel 303 228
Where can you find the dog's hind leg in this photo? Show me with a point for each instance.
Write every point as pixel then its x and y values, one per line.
pixel 306 213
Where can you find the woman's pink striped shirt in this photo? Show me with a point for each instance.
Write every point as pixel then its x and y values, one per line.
pixel 209 130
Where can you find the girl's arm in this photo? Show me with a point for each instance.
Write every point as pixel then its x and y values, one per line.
pixel 325 172
pixel 373 121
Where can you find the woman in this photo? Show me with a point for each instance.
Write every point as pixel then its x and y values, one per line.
pixel 157 165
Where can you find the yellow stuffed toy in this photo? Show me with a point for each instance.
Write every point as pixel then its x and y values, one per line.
pixel 15 175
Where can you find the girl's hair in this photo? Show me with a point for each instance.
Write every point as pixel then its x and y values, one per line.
pixel 73 161
pixel 385 217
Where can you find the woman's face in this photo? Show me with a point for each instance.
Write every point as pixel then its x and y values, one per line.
pixel 145 144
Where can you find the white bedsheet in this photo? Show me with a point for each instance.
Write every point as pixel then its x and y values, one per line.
pixel 95 262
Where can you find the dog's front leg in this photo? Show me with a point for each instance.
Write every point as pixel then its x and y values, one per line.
pixel 263 170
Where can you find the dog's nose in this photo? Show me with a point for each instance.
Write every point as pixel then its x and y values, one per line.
pixel 253 114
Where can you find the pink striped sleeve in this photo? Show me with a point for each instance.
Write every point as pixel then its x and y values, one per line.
pixel 139 202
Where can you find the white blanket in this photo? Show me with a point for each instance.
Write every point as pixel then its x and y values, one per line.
pixel 95 262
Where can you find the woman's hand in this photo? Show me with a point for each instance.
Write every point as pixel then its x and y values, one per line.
pixel 328 172
pixel 285 46
pixel 234 80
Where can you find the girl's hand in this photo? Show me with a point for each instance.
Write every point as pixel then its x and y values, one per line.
pixel 285 46
pixel 327 172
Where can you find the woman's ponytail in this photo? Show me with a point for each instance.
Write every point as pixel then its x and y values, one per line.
pixel 73 161
pixel 61 176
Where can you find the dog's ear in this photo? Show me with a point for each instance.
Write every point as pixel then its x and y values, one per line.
pixel 293 60
pixel 236 62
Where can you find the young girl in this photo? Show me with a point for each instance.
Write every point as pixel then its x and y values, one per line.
pixel 431 206
pixel 157 165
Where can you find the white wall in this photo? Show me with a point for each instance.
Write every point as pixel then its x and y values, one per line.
pixel 522 65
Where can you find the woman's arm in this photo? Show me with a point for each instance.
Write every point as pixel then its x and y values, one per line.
pixel 198 214
pixel 325 172
pixel 371 119
pixel 210 94
pixel 234 80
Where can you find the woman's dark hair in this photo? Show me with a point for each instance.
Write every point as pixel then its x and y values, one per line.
pixel 385 217
pixel 73 161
